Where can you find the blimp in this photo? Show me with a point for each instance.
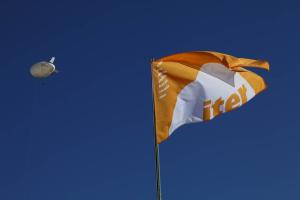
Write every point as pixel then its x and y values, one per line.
pixel 43 69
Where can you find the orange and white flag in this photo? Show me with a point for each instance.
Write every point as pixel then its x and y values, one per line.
pixel 198 86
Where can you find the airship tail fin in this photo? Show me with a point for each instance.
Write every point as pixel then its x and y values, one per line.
pixel 52 60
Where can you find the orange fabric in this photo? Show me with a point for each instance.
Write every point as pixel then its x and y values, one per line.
pixel 164 108
pixel 197 58
pixel 172 73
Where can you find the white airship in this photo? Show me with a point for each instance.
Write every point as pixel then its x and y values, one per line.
pixel 43 69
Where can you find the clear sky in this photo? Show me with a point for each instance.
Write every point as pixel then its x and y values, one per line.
pixel 86 133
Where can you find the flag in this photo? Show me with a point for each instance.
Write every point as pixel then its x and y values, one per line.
pixel 198 86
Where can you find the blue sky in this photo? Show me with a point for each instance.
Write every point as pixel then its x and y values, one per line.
pixel 86 133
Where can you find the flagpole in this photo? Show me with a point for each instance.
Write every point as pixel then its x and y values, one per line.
pixel 156 146
pixel 157 169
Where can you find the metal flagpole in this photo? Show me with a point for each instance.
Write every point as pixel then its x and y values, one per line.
pixel 156 147
pixel 157 166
